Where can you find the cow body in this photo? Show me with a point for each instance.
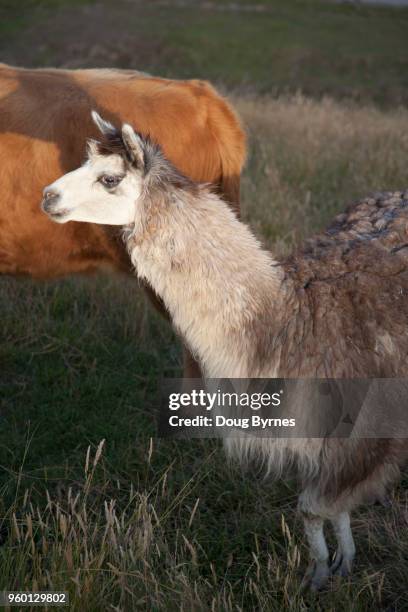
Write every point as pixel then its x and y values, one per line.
pixel 45 120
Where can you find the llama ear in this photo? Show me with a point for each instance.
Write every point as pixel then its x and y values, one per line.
pixel 135 146
pixel 105 127
pixel 91 147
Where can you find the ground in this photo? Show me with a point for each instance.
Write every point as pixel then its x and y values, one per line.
pixel 346 50
pixel 138 522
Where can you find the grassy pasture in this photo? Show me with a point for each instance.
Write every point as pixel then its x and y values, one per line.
pixel 143 523
pixel 274 46
pixel 163 525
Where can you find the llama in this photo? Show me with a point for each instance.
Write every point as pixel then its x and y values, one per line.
pixel 45 121
pixel 337 309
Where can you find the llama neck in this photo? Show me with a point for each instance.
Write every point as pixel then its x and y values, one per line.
pixel 222 290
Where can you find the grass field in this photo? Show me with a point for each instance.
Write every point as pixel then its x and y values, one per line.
pixel 143 523
pixel 317 47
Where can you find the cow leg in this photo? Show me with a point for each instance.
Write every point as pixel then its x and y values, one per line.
pixel 191 368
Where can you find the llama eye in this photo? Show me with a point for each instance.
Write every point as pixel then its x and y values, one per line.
pixel 109 181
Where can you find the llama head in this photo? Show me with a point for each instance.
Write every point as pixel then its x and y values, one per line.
pixel 122 174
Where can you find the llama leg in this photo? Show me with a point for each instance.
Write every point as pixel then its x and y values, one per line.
pixel 346 549
pixel 318 571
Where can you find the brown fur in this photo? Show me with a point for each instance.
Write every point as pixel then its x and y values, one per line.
pixel 347 295
pixel 44 123
pixel 337 309
pixel 348 290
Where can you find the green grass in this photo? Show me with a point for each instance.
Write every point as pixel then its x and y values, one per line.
pixel 14 16
pixel 298 46
pixel 157 524
pixel 168 525
pixel 347 51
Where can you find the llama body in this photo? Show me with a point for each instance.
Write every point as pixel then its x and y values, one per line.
pixel 336 309
pixel 339 308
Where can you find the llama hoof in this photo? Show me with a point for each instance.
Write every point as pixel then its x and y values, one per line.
pixel 316 576
pixel 341 565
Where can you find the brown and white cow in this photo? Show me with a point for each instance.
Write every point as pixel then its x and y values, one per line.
pixel 45 120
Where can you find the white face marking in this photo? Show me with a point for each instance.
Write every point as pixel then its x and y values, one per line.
pixel 81 196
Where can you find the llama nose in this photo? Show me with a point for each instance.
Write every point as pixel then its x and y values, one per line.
pixel 50 197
